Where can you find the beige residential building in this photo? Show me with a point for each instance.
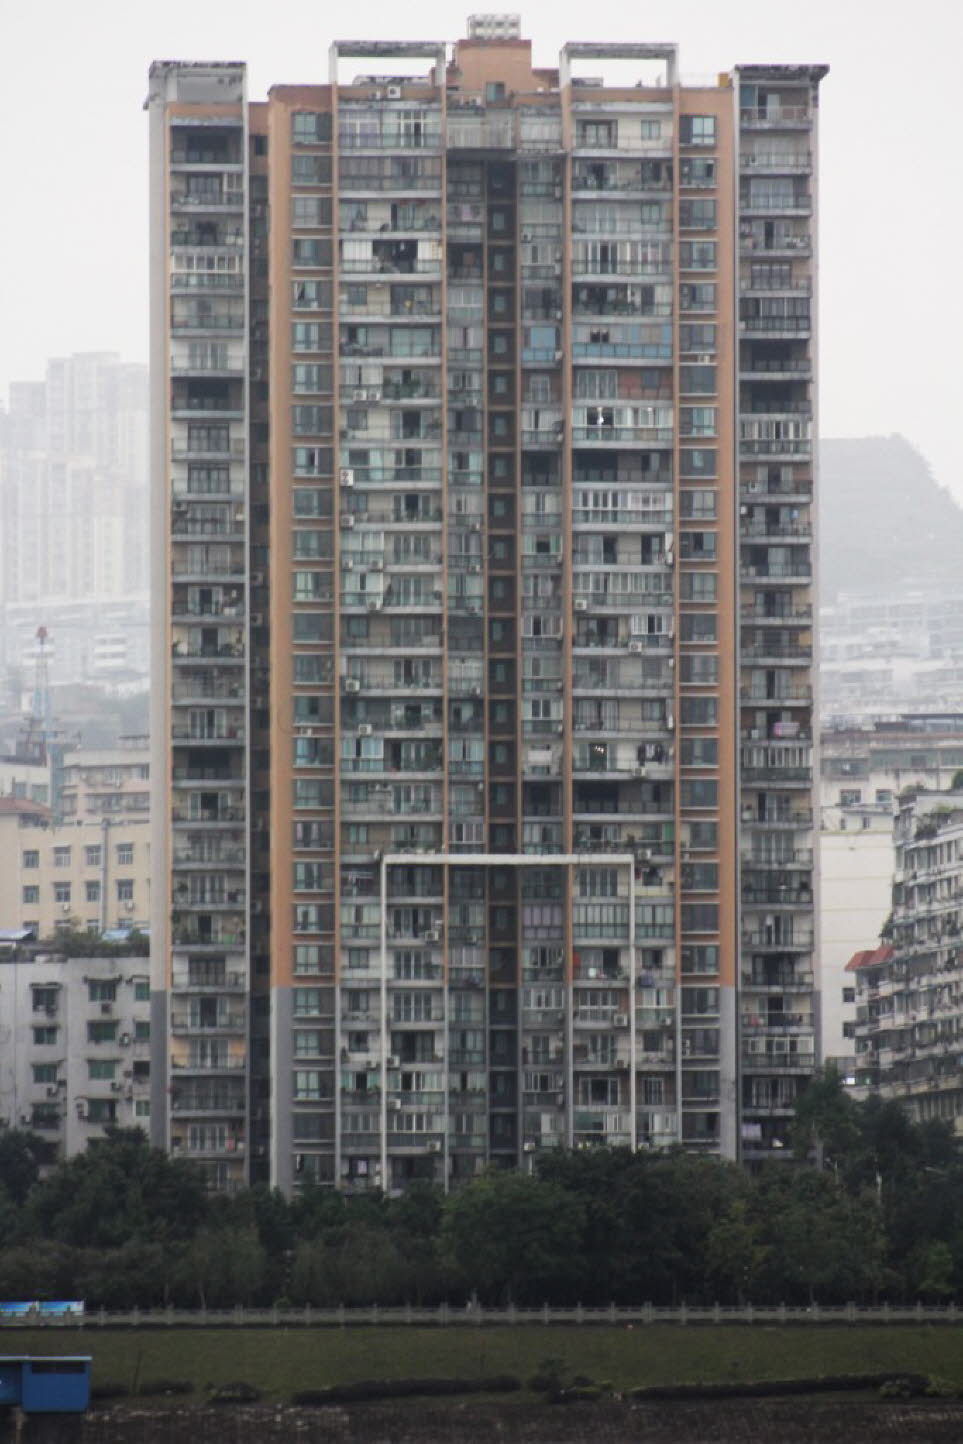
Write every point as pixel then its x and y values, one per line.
pixel 91 874
pixel 109 784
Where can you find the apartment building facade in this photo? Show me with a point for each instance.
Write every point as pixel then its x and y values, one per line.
pixel 909 990
pixel 92 875
pixel 482 450
pixel 76 1060
pixel 865 769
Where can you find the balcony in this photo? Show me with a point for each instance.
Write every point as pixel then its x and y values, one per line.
pixel 774 162
pixel 776 117
pixel 225 1021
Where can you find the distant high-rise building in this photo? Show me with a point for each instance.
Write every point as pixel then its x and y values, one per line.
pixel 482 463
pixel 73 515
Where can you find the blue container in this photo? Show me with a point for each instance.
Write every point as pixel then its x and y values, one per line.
pixel 46 1384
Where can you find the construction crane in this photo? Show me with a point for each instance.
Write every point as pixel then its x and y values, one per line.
pixel 39 721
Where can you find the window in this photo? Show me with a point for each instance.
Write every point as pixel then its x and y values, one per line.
pixel 31 895
pixel 45 1072
pixel 102 1030
pixel 697 215
pixel 62 893
pixel 700 670
pixel 849 995
pixel 101 991
pixel 697 129
pixel 31 858
pixel 698 420
pixel 698 586
pixel 92 892
pixel 700 917
pixel 699 711
pixel 700 958
pixel 125 889
pixel 142 1108
pixel 310 127
pixel 307 1083
pixel 850 797
pixel 44 1037
pixel 61 857
pixel 125 854
pixel 101 1068
pixel 699 792
pixel 697 256
pixel 310 210
pixel 697 627
pixel 101 1110
pixel 700 752
pixel 141 1031
pixel 697 546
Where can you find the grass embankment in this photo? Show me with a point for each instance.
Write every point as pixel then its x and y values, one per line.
pixel 279 1362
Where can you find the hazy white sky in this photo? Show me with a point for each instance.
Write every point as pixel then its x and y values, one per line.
pixel 73 155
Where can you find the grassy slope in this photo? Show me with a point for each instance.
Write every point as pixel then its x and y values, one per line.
pixel 280 1361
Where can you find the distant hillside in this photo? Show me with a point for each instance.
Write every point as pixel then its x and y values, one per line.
pixel 884 520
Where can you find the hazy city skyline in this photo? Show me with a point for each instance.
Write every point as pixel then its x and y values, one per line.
pixel 77 272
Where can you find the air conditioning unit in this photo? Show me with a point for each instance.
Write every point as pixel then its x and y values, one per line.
pixel 529 1146
pixel 620 1020
pixel 636 647
pixel 347 521
pixel 581 604
pixel 670 723
pixel 347 564
pixel 639 772
pixel 106 1009
pixel 352 684
pixel 257 619
pixel 346 476
pixel 116 1086
pixel 670 559
pixel 377 565
pixel 432 936
pixel 51 1092
pixel 392 1062
pixel 475 568
pixel 360 395
pixel 393 92
pixel 256 579
pixel 365 729
pixel 394 1104
pixel 433 1146
pixel 375 604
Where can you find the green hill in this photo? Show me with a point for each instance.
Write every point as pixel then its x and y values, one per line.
pixel 884 521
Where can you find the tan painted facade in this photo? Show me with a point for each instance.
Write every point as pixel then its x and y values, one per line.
pixel 530 470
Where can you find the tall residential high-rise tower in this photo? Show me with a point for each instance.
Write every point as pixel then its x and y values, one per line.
pixel 483 456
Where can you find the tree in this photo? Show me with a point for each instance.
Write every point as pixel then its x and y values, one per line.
pixel 221 1267
pixel 513 1238
pixel 736 1256
pixel 119 1189
pixel 826 1125
pixel 22 1154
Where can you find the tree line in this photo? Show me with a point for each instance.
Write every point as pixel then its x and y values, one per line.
pixel 869 1207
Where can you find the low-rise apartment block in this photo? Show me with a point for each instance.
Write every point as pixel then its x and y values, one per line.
pixel 76 1053
pixel 909 992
